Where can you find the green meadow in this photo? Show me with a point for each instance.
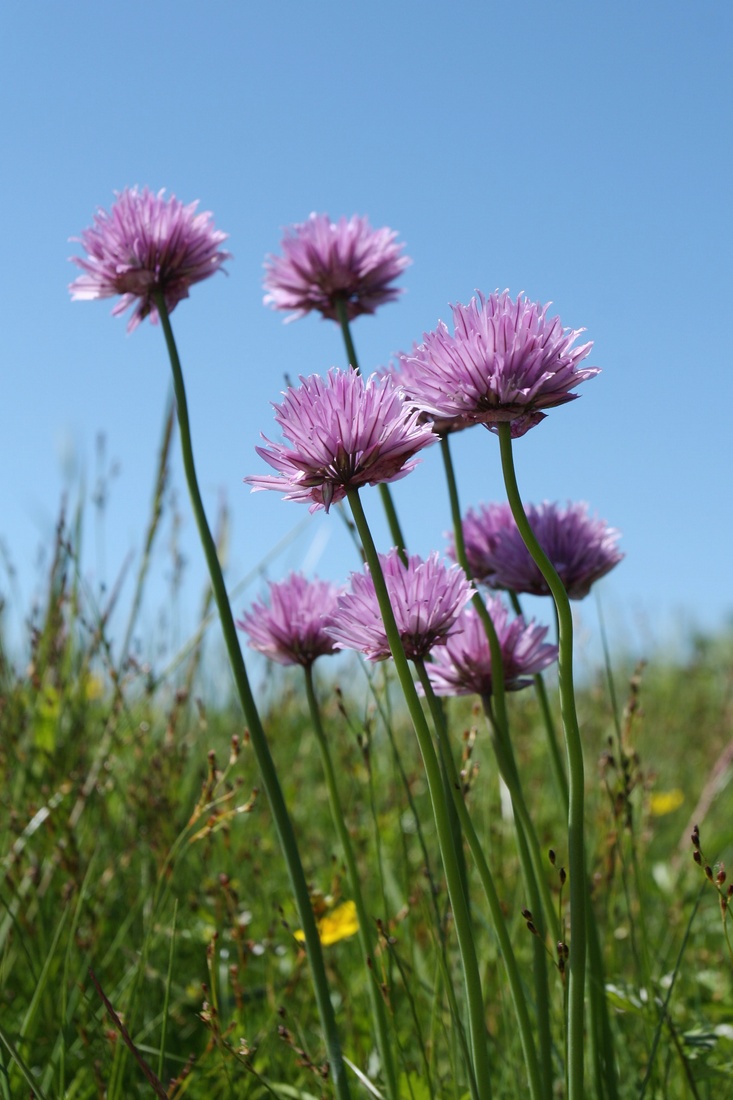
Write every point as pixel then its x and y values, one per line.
pixel 148 938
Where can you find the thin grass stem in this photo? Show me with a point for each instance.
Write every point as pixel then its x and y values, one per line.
pixel 23 1067
pixel 156 512
pixel 167 994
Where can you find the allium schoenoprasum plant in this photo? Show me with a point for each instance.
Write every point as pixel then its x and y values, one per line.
pixel 421 883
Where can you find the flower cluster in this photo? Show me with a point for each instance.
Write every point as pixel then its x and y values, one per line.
pixel 506 361
pixel 344 432
pixel 290 628
pixel 504 364
pixel 146 243
pixel 324 262
pixel 426 597
pixel 581 549
pixel 463 665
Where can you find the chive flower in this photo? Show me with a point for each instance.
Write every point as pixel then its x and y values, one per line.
pixel 426 597
pixel 289 627
pixel 506 361
pixel 463 665
pixel 146 243
pixel 342 431
pixel 323 262
pixel 581 548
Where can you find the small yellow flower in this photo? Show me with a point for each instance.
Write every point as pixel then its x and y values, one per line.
pixel 93 688
pixel 665 802
pixel 337 925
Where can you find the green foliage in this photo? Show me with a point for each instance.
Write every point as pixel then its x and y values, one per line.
pixel 147 935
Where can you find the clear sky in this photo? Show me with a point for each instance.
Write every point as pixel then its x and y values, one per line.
pixel 580 152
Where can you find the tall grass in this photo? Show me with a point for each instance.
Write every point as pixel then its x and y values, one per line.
pixel 147 935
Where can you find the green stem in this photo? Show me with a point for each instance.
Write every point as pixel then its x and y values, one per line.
pixel 537 1091
pixel 464 932
pixel 271 783
pixel 365 921
pixel 498 715
pixel 393 522
pixel 497 664
pixel 528 847
pixel 558 768
pixel 535 868
pixel 433 893
pixel 535 880
pixel 603 1052
pixel 447 768
pixel 600 1035
pixel 576 780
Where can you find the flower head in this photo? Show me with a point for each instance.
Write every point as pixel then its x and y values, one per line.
pixel 325 261
pixel 582 549
pixel 463 665
pixel 662 803
pixel 426 598
pixel 290 628
pixel 146 243
pixel 344 431
pixel 506 361
pixel 336 924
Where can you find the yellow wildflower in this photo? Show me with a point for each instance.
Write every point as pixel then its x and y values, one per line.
pixel 665 802
pixel 339 924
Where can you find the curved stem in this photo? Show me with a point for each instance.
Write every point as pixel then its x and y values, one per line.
pixel 558 768
pixel 497 664
pixel 600 1035
pixel 258 738
pixel 433 893
pixel 533 869
pixel 487 881
pixel 535 880
pixel 576 779
pixel 365 921
pixel 387 503
pixel 464 932
pixel 532 861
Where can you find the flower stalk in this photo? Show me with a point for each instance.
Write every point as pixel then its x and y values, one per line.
pixel 464 932
pixel 379 1014
pixel 540 1085
pixel 576 777
pixel 526 838
pixel 261 748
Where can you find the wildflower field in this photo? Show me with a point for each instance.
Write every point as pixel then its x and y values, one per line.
pixel 440 866
pixel 134 849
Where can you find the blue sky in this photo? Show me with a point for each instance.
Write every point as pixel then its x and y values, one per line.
pixel 578 152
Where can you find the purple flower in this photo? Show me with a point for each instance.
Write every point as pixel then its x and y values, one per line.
pixel 463 665
pixel 582 549
pixel 426 598
pixel 290 628
pixel 344 431
pixel 146 243
pixel 505 362
pixel 325 261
